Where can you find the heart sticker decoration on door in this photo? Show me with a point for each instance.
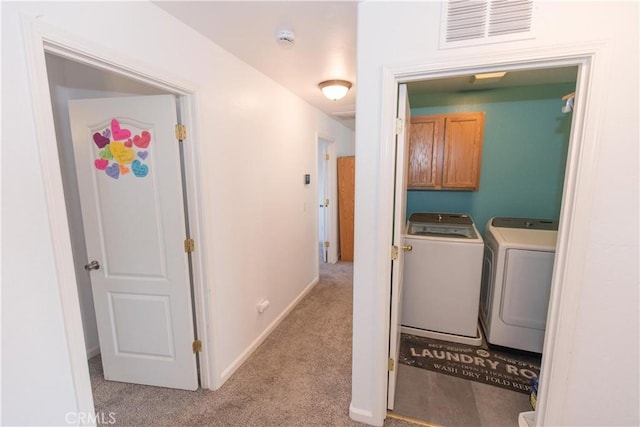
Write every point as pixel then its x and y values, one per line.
pixel 118 133
pixel 100 140
pixel 113 171
pixel 119 153
pixel 105 153
pixel 122 154
pixel 101 164
pixel 143 140
pixel 139 169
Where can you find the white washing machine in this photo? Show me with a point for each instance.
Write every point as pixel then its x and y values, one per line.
pixel 442 275
pixel 516 281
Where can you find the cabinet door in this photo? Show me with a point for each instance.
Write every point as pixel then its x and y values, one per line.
pixel 462 151
pixel 425 153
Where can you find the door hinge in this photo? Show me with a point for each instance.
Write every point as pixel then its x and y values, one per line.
pixel 189 245
pixel 394 253
pixel 391 364
pixel 326 157
pixel 326 244
pixel 326 203
pixel 399 125
pixel 196 346
pixel 181 132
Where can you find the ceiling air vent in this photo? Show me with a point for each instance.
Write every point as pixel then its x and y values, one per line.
pixel 476 22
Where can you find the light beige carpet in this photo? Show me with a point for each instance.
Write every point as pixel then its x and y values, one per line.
pixel 300 375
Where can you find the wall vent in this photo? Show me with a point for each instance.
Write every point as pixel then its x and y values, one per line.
pixel 476 22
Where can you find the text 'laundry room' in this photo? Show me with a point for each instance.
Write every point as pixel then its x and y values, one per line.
pixel 485 167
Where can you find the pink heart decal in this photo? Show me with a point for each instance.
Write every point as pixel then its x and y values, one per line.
pixel 129 143
pixel 100 140
pixel 119 134
pixel 143 140
pixel 101 164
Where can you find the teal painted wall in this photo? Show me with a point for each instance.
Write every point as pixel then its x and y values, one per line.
pixel 524 153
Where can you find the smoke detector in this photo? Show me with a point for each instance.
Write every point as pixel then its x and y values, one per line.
pixel 285 38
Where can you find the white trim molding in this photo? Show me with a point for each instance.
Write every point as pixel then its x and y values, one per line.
pixel 575 217
pixel 34 38
pixel 361 415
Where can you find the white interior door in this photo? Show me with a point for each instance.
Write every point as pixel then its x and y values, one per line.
pixel 323 199
pixel 399 214
pixel 129 177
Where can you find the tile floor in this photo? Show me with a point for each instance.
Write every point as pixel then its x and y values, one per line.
pixel 449 401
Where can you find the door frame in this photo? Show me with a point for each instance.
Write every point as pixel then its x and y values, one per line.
pixel 332 190
pixel 41 38
pixel 575 215
pixel 401 169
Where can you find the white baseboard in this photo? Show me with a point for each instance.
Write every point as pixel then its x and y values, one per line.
pixel 526 419
pixel 363 416
pixel 226 374
pixel 93 352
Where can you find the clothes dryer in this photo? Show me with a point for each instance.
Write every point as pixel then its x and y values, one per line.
pixel 516 281
pixel 442 275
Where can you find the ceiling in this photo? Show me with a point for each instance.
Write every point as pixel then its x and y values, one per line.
pixel 324 47
pixel 511 79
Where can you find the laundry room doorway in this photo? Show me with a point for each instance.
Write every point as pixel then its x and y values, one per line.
pixel 521 174
pixel 570 184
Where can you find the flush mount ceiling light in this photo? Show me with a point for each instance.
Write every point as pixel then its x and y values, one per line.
pixel 487 77
pixel 334 89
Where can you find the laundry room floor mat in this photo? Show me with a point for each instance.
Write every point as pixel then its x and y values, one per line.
pixel 512 371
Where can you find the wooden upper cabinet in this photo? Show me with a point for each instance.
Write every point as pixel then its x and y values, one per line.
pixel 445 151
pixel 425 134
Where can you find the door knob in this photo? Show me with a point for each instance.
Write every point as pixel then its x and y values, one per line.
pixel 407 248
pixel 93 265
